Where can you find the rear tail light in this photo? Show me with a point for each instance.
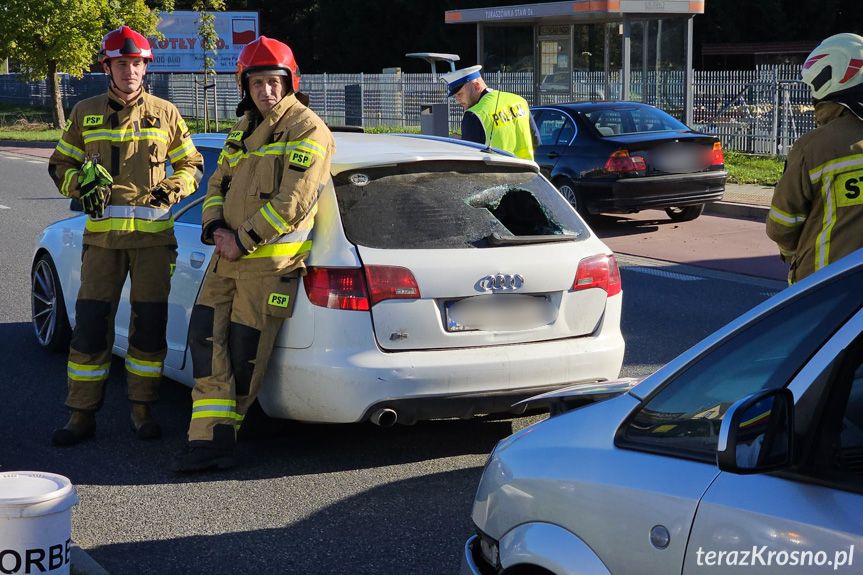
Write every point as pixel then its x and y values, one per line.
pixel 337 288
pixel 621 161
pixel 391 282
pixel 359 288
pixel 718 156
pixel 598 272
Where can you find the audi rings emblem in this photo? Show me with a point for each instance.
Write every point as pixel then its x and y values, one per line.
pixel 497 282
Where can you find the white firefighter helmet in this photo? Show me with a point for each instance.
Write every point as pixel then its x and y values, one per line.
pixel 834 65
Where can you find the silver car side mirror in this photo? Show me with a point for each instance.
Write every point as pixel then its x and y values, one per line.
pixel 757 433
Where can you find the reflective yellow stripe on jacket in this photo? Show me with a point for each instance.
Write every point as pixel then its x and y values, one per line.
pixel 132 219
pixel 125 135
pixel 828 173
pixel 286 245
pixel 276 149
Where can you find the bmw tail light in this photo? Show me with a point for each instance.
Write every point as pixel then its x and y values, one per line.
pixel 337 288
pixel 391 282
pixel 718 156
pixel 621 161
pixel 598 272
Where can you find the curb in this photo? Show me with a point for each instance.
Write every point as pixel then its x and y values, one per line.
pixel 26 144
pixel 83 564
pixel 737 210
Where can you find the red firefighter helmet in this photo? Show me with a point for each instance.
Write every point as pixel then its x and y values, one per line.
pixel 125 42
pixel 267 54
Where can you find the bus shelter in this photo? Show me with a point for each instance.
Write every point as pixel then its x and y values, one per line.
pixel 639 50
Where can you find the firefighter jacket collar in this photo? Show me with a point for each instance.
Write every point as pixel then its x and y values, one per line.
pixel 263 131
pixel 114 100
pixel 827 111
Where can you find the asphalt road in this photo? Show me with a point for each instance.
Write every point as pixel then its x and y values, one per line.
pixel 308 499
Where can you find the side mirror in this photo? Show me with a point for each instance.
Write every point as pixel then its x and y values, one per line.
pixel 757 433
pixel 75 206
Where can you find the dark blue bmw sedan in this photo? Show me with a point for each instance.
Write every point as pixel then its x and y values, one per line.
pixel 622 157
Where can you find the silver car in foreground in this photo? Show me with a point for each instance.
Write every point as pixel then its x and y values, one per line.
pixel 743 455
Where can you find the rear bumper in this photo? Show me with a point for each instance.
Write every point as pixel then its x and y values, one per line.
pixel 347 384
pixel 640 193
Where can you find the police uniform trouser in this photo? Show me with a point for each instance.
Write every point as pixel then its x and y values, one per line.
pixel 232 332
pixel 103 273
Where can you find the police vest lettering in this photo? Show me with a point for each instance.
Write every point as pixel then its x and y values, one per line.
pixel 38 560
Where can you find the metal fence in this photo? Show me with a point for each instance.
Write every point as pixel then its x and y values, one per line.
pixel 757 111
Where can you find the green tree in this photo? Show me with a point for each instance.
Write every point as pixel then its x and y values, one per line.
pixel 49 37
pixel 209 38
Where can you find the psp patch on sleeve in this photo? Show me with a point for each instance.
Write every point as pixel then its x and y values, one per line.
pixel 300 159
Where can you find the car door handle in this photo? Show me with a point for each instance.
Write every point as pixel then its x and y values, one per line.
pixel 197 259
pixel 553 155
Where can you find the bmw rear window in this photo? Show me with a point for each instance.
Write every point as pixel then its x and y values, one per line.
pixel 449 205
pixel 632 120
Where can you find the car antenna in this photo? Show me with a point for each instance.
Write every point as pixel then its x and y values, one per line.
pixel 488 144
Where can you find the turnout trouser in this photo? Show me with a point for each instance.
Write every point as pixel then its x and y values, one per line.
pixel 232 332
pixel 103 273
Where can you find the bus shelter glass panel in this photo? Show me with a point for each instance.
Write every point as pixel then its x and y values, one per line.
pixel 506 49
pixel 658 64
pixel 555 64
pixel 589 51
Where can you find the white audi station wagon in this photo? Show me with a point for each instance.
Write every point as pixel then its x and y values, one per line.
pixel 444 280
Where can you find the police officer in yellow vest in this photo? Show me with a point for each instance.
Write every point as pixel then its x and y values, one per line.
pixel 112 157
pixel 499 119
pixel 259 213
pixel 816 216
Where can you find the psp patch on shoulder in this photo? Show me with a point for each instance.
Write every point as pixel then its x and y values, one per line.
pixel 235 135
pixel 181 125
pixel 68 124
pixel 300 158
pixel 278 300
pixel 93 120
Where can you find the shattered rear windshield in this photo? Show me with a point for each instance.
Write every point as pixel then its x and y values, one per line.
pixel 449 205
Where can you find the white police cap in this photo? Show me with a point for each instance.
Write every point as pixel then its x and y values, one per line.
pixel 455 80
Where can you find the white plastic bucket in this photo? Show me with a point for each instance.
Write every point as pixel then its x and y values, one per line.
pixel 35 522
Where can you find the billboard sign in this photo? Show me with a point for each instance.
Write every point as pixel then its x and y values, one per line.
pixel 181 51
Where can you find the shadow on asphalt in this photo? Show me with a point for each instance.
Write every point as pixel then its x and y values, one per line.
pixel 619 225
pixel 416 526
pixel 34 390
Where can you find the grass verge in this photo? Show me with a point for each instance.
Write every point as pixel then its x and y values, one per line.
pixel 749 169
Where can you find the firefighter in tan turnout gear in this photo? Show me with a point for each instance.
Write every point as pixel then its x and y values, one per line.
pixel 816 216
pixel 112 157
pixel 259 212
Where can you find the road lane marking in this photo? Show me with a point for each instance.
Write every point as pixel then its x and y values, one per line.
pixel 2 207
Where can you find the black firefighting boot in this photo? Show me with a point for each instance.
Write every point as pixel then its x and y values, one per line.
pixel 204 455
pixel 143 424
pixel 81 426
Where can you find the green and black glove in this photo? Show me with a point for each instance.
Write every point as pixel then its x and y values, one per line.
pixel 94 188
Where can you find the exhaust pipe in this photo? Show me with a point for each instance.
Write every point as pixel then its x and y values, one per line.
pixel 385 417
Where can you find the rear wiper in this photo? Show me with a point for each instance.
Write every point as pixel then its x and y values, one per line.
pixel 495 239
